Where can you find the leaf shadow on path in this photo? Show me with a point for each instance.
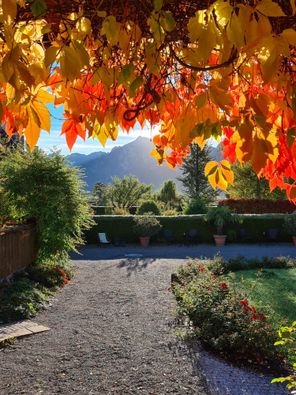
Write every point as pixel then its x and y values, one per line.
pixel 135 265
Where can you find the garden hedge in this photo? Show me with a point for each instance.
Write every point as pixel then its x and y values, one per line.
pixel 120 228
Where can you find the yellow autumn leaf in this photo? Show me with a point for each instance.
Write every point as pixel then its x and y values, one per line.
pixel 111 28
pixel 226 171
pixel 83 25
pixel 50 55
pixel 269 8
pixel 70 64
pixel 44 96
pixel 74 58
pixel 9 10
pixel 211 168
pixel 290 36
pixel 32 130
pixel 220 96
pixel 236 30
pixel 221 180
pixel 212 180
pixel 223 11
pixel 43 115
pixel 293 6
pixel 196 25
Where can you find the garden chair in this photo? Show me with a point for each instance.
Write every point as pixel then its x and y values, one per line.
pixel 102 239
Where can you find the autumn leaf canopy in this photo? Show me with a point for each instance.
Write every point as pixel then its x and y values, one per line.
pixel 198 69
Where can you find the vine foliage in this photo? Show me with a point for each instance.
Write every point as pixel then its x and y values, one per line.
pixel 222 69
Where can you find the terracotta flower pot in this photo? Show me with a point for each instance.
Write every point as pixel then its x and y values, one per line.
pixel 145 241
pixel 220 240
pixel 294 240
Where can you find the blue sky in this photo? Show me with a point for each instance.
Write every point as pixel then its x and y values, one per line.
pixel 54 140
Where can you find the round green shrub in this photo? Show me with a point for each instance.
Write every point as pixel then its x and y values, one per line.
pixel 149 206
pixel 146 226
pixel 195 206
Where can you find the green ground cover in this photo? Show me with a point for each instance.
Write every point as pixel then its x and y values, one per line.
pixel 272 290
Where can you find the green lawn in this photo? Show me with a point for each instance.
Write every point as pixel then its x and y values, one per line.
pixel 271 290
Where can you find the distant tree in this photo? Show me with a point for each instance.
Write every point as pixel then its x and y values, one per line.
pixel 168 195
pixel 127 192
pixel 194 181
pixel 100 193
pixel 247 185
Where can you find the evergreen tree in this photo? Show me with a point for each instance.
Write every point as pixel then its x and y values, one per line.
pixel 194 181
pixel 248 186
pixel 100 193
pixel 168 195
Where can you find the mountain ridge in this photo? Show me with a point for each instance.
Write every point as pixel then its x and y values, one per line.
pixel 130 159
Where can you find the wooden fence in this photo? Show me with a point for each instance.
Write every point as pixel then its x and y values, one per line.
pixel 17 248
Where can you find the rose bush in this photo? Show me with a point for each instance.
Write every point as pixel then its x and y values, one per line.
pixel 222 317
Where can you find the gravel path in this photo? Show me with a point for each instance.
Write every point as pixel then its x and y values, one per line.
pixel 111 333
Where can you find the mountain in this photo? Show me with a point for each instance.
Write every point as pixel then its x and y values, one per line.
pixel 130 159
pixel 80 159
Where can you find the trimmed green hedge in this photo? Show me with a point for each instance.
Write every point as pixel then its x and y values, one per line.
pixel 120 228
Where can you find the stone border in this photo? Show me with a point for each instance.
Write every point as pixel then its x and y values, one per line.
pixel 19 329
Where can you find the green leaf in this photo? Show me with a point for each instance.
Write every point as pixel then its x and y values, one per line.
pixel 281 379
pixel 38 7
pixel 137 82
pixel 157 4
pixel 167 21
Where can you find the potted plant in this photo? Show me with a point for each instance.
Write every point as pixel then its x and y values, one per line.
pixel 290 226
pixel 146 226
pixel 219 217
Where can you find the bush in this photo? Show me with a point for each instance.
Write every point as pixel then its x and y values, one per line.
pixel 222 317
pixel 46 188
pixel 219 265
pixel 148 206
pixel 258 206
pixel 29 291
pixel 195 206
pixel 287 339
pixel 220 217
pixel 120 211
pixel 146 226
pixel 170 212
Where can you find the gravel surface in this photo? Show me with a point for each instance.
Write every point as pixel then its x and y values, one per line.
pixel 225 379
pixel 111 333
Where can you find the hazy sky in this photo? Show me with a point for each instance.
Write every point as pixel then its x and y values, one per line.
pixel 55 140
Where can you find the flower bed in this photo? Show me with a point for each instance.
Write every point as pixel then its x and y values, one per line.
pixel 223 318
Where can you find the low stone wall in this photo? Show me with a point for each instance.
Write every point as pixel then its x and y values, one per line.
pixel 17 249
